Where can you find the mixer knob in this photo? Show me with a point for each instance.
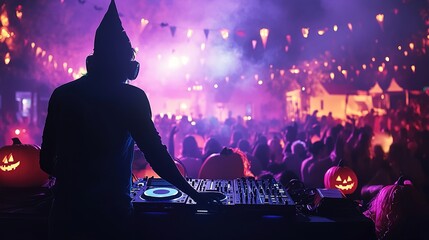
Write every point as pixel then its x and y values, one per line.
pixel 266 199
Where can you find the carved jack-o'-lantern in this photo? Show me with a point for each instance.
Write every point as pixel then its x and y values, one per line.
pixel 19 165
pixel 341 177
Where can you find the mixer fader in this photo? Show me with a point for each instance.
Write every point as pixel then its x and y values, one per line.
pixel 246 195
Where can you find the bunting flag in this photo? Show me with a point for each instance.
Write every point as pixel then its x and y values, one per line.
pixel 206 33
pixel 173 30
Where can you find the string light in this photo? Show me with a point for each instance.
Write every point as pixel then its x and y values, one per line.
pixel 224 33
pixel 7 58
pixel 264 32
pixel 305 32
pixel 18 12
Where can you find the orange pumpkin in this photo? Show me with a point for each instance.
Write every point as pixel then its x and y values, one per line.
pixel 342 178
pixel 19 166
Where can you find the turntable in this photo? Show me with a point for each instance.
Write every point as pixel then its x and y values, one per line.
pixel 161 193
pixel 159 190
pixel 243 195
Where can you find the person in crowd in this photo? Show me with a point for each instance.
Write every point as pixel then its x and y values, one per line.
pixel 276 150
pixel 211 145
pixel 313 168
pixel 88 142
pixel 240 126
pixel 236 136
pixel 191 156
pixel 294 161
pixel 246 148
pixel 260 158
pixel 399 211
pixel 290 135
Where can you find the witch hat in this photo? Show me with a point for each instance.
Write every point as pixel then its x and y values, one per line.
pixel 110 37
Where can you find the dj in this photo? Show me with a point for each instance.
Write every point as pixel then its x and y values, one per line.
pixel 88 140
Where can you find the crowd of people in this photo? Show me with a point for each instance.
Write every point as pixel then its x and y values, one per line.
pixel 379 149
pixel 305 150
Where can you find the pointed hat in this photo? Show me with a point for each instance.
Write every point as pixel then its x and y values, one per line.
pixel 110 37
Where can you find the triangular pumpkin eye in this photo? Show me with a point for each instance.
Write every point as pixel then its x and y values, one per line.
pixel 339 179
pixel 349 179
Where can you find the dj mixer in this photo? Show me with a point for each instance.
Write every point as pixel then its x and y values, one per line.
pixel 241 195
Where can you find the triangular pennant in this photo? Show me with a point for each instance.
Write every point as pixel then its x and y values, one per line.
pixel 206 33
pixel 173 30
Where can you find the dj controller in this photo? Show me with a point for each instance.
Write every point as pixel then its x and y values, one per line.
pixel 241 195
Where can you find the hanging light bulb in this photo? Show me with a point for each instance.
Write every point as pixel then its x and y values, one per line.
pixel 7 58
pixel 321 32
pixel 189 33
pixel 254 43
pixel 264 36
pixel 305 32
pixel 289 38
pixel 380 20
pixel 224 33
pixel 143 24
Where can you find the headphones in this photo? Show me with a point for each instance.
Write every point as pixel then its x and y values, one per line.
pixel 403 180
pixel 132 71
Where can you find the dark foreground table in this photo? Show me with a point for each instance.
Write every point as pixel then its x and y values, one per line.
pixel 24 214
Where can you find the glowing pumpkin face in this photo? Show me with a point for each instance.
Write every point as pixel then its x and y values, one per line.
pixel 19 166
pixel 342 178
pixel 9 164
pixel 345 184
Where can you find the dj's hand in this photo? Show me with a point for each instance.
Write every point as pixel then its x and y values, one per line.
pixel 209 198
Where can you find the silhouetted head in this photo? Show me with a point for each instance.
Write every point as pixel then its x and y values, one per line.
pixel 236 136
pixel 299 148
pixel 212 145
pixel 190 147
pixel 113 54
pixel 244 145
pixel 317 148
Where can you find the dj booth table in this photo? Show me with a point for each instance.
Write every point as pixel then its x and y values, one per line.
pixel 161 226
pixel 24 215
